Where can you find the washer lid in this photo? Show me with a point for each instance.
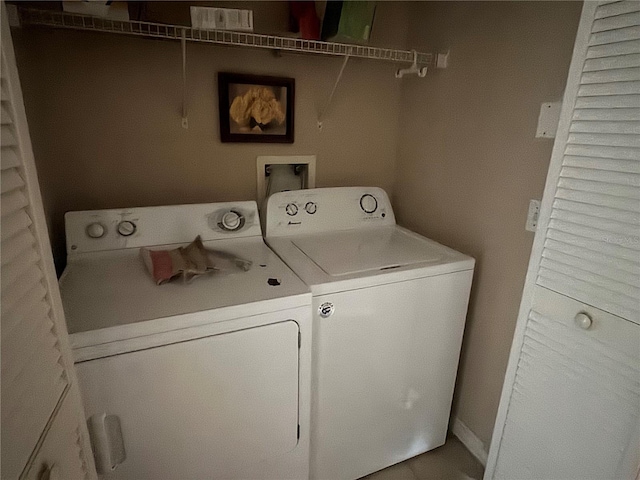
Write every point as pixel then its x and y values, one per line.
pixel 359 251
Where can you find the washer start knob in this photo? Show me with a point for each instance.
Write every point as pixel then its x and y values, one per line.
pixel 368 203
pixel 95 230
pixel 126 228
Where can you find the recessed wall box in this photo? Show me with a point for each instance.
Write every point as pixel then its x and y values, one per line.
pixel 284 172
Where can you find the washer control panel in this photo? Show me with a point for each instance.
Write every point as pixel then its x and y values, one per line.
pixel 326 209
pixel 96 230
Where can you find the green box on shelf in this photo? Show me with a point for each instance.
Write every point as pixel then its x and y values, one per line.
pixel 348 21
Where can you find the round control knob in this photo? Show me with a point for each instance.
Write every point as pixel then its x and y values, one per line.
pixel 368 203
pixel 231 221
pixel 292 209
pixel 583 321
pixel 126 228
pixel 96 230
pixel 311 207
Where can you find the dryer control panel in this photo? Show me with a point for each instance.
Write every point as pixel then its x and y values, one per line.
pixel 96 230
pixel 326 209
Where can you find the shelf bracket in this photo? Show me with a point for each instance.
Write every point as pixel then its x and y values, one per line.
pixel 333 91
pixel 183 42
pixel 421 72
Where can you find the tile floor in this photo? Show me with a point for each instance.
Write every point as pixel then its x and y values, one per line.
pixel 452 461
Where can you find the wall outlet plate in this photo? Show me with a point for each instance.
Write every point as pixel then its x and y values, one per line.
pixel 533 215
pixel 548 120
pixel 442 60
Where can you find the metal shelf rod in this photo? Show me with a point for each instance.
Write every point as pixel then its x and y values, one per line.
pixel 29 16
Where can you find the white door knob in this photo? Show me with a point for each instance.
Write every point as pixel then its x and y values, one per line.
pixel 583 321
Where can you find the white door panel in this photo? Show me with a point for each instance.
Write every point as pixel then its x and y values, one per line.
pixel 585 380
pixel 216 407
pixel 39 387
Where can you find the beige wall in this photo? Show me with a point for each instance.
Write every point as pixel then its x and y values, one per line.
pixel 468 162
pixel 105 118
pixel 104 113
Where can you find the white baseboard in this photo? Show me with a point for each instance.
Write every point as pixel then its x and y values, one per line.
pixel 470 440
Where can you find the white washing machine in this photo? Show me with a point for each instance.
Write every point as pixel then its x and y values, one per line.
pixel 207 379
pixel 389 309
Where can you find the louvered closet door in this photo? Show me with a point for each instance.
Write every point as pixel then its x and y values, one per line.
pixel 570 406
pixel 592 247
pixel 35 376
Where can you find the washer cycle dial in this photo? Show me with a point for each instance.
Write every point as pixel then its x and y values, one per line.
pixel 311 207
pixel 368 203
pixel 126 228
pixel 95 230
pixel 291 209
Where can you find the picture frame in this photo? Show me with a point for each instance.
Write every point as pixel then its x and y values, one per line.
pixel 256 108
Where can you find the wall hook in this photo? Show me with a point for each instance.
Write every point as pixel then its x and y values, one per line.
pixel 422 72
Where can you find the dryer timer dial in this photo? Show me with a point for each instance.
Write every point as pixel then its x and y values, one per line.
pixel 232 221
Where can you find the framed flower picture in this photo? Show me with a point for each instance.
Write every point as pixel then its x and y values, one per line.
pixel 255 108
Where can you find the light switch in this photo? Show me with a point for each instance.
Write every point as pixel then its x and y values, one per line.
pixel 548 120
pixel 532 215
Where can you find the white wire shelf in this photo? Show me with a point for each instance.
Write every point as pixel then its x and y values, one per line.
pixel 73 21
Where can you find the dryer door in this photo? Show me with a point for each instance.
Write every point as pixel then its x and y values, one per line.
pixel 215 407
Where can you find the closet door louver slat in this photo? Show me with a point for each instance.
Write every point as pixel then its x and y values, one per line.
pixel 612 49
pixel 616 8
pixel 33 374
pixel 8 158
pixel 622 61
pixel 5 117
pixel 604 126
pixel 592 247
pixel 603 38
pixel 616 22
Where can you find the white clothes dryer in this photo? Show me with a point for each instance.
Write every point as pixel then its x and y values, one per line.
pixel 208 379
pixel 389 309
